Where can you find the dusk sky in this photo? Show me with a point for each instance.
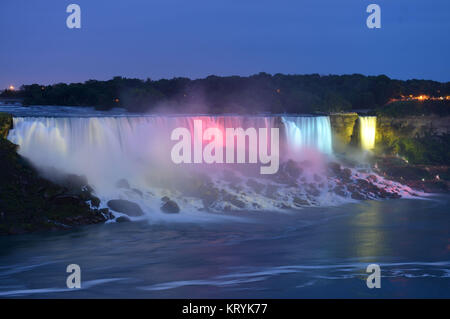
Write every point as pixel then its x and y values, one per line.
pixel 168 38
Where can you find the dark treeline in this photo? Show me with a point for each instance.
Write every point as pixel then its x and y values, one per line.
pixel 258 93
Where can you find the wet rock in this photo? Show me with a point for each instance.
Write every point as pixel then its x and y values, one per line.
pixel 123 219
pixel 238 203
pixel 105 212
pixel 312 190
pixel 300 202
pixel 170 207
pixel 340 190
pixel 95 201
pixel 125 207
pixel 362 183
pixel 234 200
pixel 346 173
pixel 165 199
pixel 256 186
pixel 256 206
pixel 357 196
pixel 334 168
pixel 123 183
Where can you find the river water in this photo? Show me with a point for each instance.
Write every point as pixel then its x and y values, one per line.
pixel 314 253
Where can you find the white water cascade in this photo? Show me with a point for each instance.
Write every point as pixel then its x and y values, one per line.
pixel 309 132
pixel 108 149
pixel 368 125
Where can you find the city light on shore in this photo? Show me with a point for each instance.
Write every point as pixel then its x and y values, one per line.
pixel 422 97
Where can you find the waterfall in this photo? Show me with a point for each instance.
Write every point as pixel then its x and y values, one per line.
pixel 86 144
pixel 110 148
pixel 368 126
pixel 308 132
pixel 107 149
pixel 138 149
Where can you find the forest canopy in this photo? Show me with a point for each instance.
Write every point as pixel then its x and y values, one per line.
pixel 234 94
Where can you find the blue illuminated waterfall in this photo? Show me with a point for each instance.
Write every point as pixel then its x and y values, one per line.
pixel 308 132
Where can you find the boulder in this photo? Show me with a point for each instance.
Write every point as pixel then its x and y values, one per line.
pixel 339 190
pixel 125 207
pixel 346 173
pixel 123 219
pixel 170 207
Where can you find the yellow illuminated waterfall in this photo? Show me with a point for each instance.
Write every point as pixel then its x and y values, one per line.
pixel 368 126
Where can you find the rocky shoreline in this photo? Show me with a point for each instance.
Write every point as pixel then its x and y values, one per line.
pixel 425 178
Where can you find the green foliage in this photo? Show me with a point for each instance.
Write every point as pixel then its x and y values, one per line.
pixel 399 109
pixel 429 149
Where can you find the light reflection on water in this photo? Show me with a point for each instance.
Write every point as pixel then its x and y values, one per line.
pixel 320 252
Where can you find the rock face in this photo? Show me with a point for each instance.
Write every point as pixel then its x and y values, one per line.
pixel 412 126
pixel 342 126
pixel 125 207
